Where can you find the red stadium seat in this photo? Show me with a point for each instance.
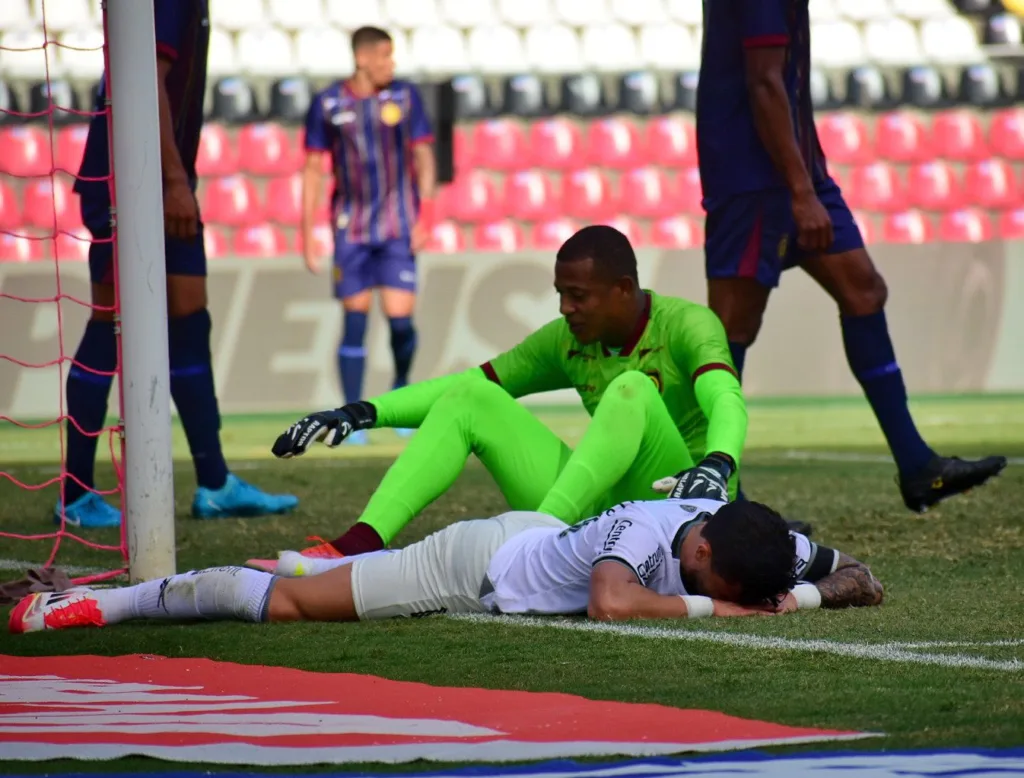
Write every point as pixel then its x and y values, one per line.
pixel 844 138
pixel 529 196
pixel 214 242
pixel 587 195
pixel 1011 224
pixel 502 236
pixel 957 135
pixel 25 151
pixel 19 248
pixel 613 143
pixel 933 186
pixel 232 201
pixel 866 225
pixel 472 198
pixel 677 232
pixel 876 187
pixel 630 229
pixel 647 193
pixel 908 227
pixel 217 155
pixel 72 246
pixel 671 141
pixel 446 238
pixel 499 144
pixel 991 184
pixel 265 149
pixel 259 240
pixel 10 208
pixel 966 225
pixel 1006 134
pixel 70 146
pixel 688 192
pixel 556 144
pixel 902 137
pixel 51 205
pixel 462 148
pixel 284 201
pixel 323 242
pixel 550 235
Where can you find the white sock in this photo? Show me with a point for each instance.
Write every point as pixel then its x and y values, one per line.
pixel 214 593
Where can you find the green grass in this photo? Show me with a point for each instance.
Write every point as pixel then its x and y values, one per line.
pixel 954 574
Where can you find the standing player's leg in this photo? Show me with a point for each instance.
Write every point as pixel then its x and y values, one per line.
pixel 851 279
pixel 353 285
pixel 396 279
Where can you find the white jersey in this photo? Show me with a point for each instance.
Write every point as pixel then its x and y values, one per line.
pixel 547 570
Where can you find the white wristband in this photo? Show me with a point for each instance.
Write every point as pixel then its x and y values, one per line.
pixel 807 596
pixel 698 607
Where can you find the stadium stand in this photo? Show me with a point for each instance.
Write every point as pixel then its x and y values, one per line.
pixel 570 111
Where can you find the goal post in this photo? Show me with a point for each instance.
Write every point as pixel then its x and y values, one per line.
pixel 141 271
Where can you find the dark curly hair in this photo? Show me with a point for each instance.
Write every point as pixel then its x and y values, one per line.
pixel 610 250
pixel 752 548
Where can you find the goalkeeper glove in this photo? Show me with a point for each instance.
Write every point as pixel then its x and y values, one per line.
pixel 330 427
pixel 707 481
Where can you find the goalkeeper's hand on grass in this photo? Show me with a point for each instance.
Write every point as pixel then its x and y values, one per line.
pixel 707 481
pixel 329 427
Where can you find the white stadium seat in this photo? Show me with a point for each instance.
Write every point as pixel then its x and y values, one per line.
pixel 553 48
pixel 324 51
pixel 22 54
pixel 468 13
pixel 824 11
pixel 609 48
pixel 265 51
pixel 405 65
pixel 950 41
pixel 892 42
pixel 864 10
pixel 352 14
pixel 524 13
pixel 836 44
pixel 439 49
pixel 496 49
pixel 410 14
pixel 577 13
pixel 223 58
pixel 295 14
pixel 81 53
pixel 14 15
pixel 669 47
pixel 61 14
pixel 639 12
pixel 236 15
pixel 686 11
pixel 919 10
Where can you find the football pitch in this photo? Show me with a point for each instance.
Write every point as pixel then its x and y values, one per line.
pixel 940 664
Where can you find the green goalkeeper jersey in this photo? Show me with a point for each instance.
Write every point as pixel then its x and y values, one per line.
pixel 675 343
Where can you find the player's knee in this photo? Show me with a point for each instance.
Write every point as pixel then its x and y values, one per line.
pixel 743 325
pixel 473 394
pixel 632 386
pixel 864 291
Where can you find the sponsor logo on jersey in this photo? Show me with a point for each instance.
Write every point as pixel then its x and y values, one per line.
pixel 620 526
pixel 649 566
pixel 783 246
pixel 390 114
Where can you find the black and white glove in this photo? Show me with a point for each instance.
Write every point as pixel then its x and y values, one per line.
pixel 709 480
pixel 329 427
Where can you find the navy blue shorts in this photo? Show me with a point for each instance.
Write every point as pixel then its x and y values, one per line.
pixel 753 235
pixel 184 257
pixel 362 266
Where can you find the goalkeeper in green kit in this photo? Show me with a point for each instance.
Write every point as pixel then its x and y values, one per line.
pixel 654 372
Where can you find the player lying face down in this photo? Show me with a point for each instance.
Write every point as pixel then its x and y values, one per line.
pixel 659 559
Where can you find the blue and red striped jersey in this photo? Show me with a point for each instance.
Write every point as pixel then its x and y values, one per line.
pixel 370 140
pixel 183 38
pixel 732 158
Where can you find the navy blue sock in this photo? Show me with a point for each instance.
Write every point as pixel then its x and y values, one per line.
pixel 403 346
pixel 352 355
pixel 873 362
pixel 87 396
pixel 195 396
pixel 739 356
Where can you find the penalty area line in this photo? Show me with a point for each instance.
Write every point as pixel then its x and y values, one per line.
pixel 851 456
pixel 883 652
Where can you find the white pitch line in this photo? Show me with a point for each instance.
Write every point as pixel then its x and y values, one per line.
pixel 850 456
pixel 960 644
pixel 21 564
pixel 879 652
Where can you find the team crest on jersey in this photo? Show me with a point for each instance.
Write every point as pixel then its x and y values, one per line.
pixel 783 246
pixel 655 376
pixel 337 274
pixel 390 113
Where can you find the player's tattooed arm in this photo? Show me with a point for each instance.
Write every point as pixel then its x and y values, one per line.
pixel 850 585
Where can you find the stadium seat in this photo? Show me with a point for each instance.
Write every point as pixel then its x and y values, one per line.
pixel 439 49
pixel 552 48
pixel 529 196
pixel 580 13
pixel 676 232
pixel 670 141
pixel 976 7
pixel 295 14
pixel 10 208
pixel 587 195
pixel 323 242
pixel 350 15
pixel 56 98
pixel 685 11
pixel 231 201
pixel 907 227
pixel 22 55
pixel 550 235
pixel 957 135
pixel 863 10
pixel 583 94
pixel 24 151
pixel 9 104
pixel 866 225
pixel 51 205
pixel 876 187
pixel 837 45
pixel 19 248
pixel 259 240
pixel 647 193
pixel 921 10
pixel 867 89
pixel 412 14
pixel 14 15
pixel 498 144
pixel 237 16
pixel 323 51
pixel 71 246
pixel 684 91
pixel 524 95
pixel 902 137
pixel 217 155
pixel 981 87
pixel 471 101
pixel 80 53
pixel 950 41
pixel 265 149
pixel 214 242
pixel 689 193
pixel 638 93
pixel 473 198
pixel 613 142
pixel 495 48
pixel 823 93
pixel 924 88
pixel 503 236
pixel 462 147
pixel 1003 30
pixel 933 186
pixel 289 99
pixel 284 201
pixel 446 238
pixel 639 12
pixel 608 48
pixel 844 138
pixel 264 51
pixel 991 184
pixel 965 225
pixel 670 47
pixel 556 144
pixel 234 101
pixel 630 228
pixel 70 147
pixel 1006 134
pixel 468 13
pixel 1011 224
pixel 523 13
pixel 891 41
pixel 222 59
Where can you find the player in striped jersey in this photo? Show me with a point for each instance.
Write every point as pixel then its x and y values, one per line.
pixel 377 135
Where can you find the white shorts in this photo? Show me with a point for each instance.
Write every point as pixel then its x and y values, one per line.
pixel 443 573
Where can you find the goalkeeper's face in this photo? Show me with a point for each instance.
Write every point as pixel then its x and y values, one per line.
pixel 596 308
